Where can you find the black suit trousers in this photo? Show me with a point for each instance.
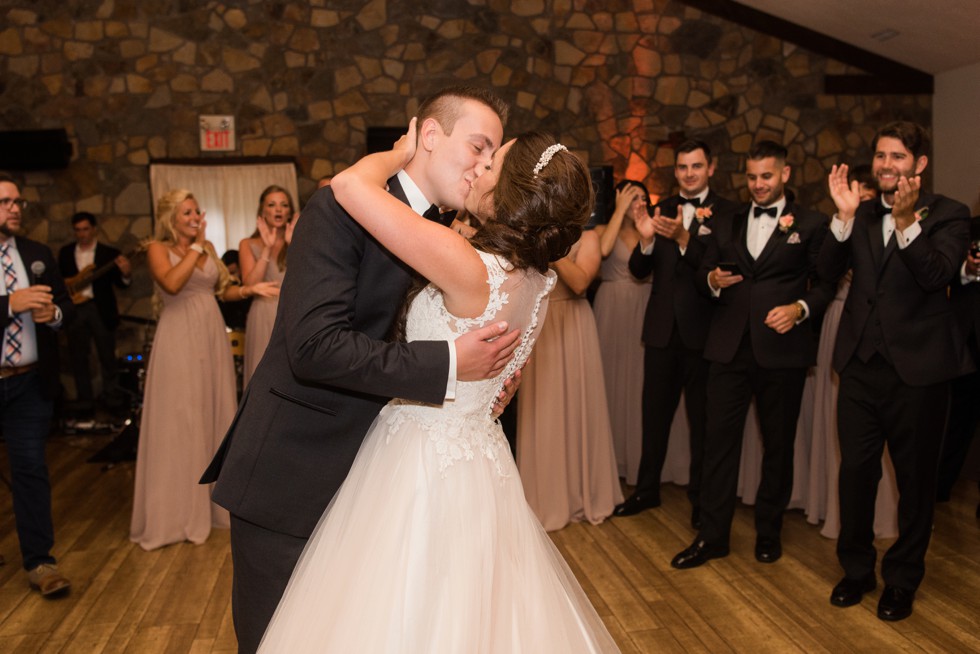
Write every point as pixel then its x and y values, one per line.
pixel 667 371
pixel 964 415
pixel 875 407
pixel 263 560
pixel 778 393
pixel 89 327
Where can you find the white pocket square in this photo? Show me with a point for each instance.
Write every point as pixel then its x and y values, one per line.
pixel 793 238
pixel 703 230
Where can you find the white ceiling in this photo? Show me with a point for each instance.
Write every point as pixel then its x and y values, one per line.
pixel 934 37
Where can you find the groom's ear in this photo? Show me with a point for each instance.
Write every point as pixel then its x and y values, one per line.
pixel 429 133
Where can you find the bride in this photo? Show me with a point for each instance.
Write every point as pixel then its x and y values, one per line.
pixel 429 546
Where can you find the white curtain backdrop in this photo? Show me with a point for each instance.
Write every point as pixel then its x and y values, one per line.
pixel 228 194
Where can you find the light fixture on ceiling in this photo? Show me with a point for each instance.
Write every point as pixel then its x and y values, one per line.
pixel 885 35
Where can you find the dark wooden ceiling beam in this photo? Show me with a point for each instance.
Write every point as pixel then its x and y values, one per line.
pixel 885 76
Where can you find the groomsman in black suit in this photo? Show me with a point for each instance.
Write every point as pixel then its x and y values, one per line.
pixel 761 267
pixel 897 348
pixel 964 410
pixel 672 244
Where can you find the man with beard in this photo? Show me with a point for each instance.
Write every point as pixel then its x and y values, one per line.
pixel 34 304
pixel 897 348
pixel 672 243
pixel 761 267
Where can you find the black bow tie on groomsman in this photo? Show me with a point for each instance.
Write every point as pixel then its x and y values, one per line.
pixel 444 219
pixel 694 202
pixel 881 210
pixel 769 211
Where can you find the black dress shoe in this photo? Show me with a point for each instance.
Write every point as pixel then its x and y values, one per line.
pixel 697 554
pixel 636 504
pixel 850 591
pixel 768 550
pixel 696 518
pixel 895 603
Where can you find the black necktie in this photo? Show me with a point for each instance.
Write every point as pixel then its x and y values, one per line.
pixel 694 202
pixel 769 211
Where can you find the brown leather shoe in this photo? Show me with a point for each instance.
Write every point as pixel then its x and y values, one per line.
pixel 47 579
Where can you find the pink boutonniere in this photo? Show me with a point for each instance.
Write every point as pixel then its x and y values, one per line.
pixel 786 222
pixel 922 213
pixel 702 214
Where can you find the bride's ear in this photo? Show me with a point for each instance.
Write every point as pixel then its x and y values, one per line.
pixel 429 133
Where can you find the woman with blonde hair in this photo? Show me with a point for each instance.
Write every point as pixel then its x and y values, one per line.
pixel 189 397
pixel 262 258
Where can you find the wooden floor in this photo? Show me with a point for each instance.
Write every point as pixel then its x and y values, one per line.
pixel 177 599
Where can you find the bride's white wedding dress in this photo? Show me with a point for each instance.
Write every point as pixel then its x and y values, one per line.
pixel 429 546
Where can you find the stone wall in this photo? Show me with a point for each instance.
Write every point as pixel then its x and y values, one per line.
pixel 621 81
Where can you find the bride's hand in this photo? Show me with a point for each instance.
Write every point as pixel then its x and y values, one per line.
pixel 408 142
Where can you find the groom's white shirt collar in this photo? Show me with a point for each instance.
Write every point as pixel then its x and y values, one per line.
pixel 413 193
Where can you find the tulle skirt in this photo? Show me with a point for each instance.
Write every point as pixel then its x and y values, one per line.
pixel 429 546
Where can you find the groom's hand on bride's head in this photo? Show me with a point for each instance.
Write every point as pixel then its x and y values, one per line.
pixel 483 353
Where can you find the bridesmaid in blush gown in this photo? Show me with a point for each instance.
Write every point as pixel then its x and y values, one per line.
pixel 189 397
pixel 429 546
pixel 262 258
pixel 564 441
pixel 620 304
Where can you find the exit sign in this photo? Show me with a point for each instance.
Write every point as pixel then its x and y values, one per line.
pixel 217 133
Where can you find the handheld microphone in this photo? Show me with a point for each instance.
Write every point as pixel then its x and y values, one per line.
pixel 37 269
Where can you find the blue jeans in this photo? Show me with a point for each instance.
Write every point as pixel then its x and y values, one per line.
pixel 25 418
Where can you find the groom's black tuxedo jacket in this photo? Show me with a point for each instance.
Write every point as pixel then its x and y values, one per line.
pixel 784 272
pixel 324 376
pixel 910 288
pixel 674 297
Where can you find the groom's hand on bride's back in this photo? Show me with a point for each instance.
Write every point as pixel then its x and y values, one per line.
pixel 483 353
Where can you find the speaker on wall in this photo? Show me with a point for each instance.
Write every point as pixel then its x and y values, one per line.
pixel 38 149
pixel 380 139
pixel 605 198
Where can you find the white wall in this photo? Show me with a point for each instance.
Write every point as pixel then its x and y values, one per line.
pixel 956 135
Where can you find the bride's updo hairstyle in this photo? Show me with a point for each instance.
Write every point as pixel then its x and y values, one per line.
pixel 540 203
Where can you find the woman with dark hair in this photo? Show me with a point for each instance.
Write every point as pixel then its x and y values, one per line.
pixel 619 306
pixel 189 397
pixel 446 556
pixel 262 258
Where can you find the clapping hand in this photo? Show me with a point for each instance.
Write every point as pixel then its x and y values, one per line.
pixel 672 228
pixel 906 195
pixel 266 233
pixel 846 196
pixel 645 224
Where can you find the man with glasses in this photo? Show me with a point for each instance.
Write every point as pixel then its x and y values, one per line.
pixel 34 304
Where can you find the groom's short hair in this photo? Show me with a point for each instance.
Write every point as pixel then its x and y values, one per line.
pixel 445 105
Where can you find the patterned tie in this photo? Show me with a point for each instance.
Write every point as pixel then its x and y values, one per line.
pixel 11 341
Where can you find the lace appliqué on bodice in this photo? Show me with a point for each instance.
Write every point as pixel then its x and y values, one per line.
pixel 462 428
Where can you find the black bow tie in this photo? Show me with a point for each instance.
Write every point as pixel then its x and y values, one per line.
pixel 881 210
pixel 694 202
pixel 432 213
pixel 769 211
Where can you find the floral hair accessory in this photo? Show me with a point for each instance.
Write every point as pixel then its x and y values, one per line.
pixel 702 213
pixel 546 156
pixel 786 222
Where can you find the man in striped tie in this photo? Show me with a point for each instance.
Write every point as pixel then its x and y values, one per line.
pixel 34 304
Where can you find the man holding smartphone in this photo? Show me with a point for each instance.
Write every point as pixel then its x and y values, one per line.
pixel 760 342
pixel 672 243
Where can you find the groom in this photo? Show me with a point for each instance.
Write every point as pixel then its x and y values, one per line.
pixel 328 370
